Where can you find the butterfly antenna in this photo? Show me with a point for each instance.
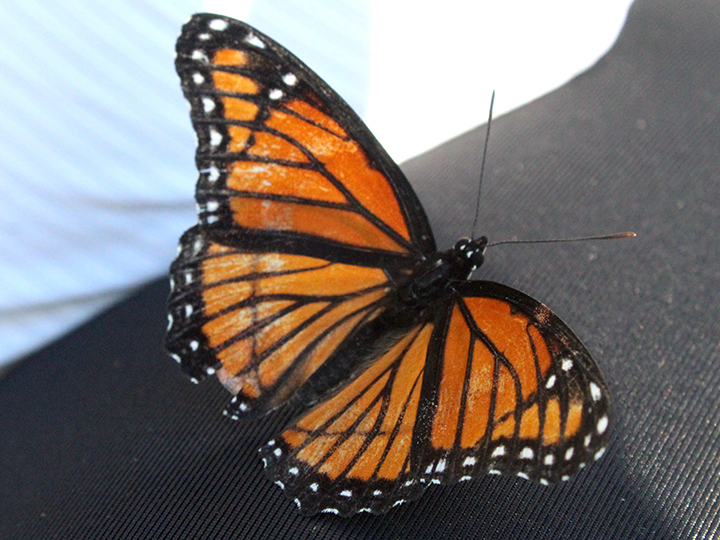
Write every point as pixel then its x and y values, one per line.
pixel 557 240
pixel 482 166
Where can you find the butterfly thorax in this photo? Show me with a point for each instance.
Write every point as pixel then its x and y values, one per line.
pixel 434 275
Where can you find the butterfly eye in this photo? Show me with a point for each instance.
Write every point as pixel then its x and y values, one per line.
pixel 470 252
pixel 462 244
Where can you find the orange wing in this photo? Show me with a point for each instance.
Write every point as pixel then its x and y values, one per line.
pixel 285 160
pixel 352 452
pixel 264 322
pixel 513 391
pixel 496 383
pixel 305 224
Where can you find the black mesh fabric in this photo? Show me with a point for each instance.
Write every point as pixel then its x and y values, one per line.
pixel 101 435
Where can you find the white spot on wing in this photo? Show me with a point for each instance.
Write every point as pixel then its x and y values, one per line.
pixel 314 487
pixel 549 459
pixel 440 467
pixel 208 104
pixel 330 511
pixel 346 493
pixel 212 205
pixel 377 492
pixel 544 482
pixel 499 451
pixel 277 452
pixel 599 454
pixel 215 137
pixel 469 461
pixel 275 93
pixel 569 453
pixel 595 391
pixel 465 478
pixel 567 364
pixel 290 79
pixel 602 425
pixel 550 382
pixel 194 345
pixel 188 310
pixel 527 453
pixel 523 475
pixel 279 483
pixel 170 321
pixel 218 25
pixel 293 471
pixel 255 41
pixel 199 56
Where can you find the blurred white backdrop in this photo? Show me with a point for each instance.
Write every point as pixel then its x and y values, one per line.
pixel 97 152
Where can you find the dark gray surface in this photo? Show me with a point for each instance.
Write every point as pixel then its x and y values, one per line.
pixel 101 436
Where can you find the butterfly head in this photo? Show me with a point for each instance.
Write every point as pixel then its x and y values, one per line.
pixel 468 255
pixel 435 274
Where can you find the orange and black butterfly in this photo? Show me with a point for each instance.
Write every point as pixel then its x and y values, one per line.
pixel 312 275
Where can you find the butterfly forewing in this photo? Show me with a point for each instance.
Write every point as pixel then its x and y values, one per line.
pixel 283 160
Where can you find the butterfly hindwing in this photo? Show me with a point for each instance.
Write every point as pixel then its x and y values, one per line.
pixel 264 322
pixel 352 451
pixel 496 383
pixel 514 391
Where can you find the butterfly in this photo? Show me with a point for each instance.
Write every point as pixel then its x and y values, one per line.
pixel 312 275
